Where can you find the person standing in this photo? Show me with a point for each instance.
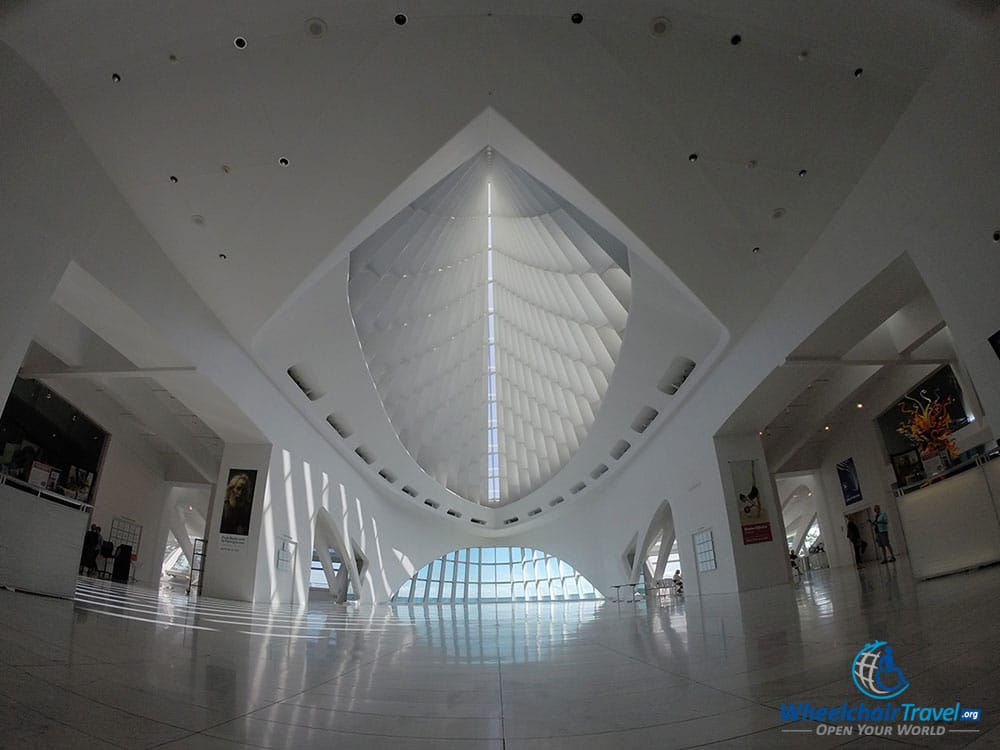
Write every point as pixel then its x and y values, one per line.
pixel 854 535
pixel 881 523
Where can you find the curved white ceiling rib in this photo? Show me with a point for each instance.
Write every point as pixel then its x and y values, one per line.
pixel 490 271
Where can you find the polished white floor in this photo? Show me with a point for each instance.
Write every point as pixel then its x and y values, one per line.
pixel 125 667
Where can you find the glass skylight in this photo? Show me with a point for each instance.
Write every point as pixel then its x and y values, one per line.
pixel 490 312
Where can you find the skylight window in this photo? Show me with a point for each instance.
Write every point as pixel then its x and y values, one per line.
pixel 492 424
pixel 490 312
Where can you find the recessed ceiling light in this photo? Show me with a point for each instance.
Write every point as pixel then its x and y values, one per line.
pixel 240 42
pixel 755 250
pixel 803 54
pixel 735 39
pixel 659 26
pixel 222 256
pixel 809 494
pixel 226 168
pixel 116 78
pixel 198 219
pixel 173 178
pixel 777 213
pixel 283 161
pixel 861 405
pixel 172 58
pixel 315 27
pixel 576 18
pixel 693 157
pixel 803 172
pixel 751 164
pixel 996 236
pixel 827 428
pixel 400 19
pixel 858 72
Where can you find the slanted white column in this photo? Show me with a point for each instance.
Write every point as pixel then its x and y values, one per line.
pixel 753 512
pixel 232 545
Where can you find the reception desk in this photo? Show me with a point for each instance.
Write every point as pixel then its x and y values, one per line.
pixel 953 524
pixel 41 537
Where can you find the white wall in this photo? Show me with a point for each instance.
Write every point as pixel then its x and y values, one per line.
pixel 130 488
pixel 231 559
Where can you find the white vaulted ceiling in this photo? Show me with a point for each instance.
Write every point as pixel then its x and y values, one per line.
pixel 425 313
pixel 718 152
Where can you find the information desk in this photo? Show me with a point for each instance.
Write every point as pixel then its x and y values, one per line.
pixel 953 524
pixel 41 539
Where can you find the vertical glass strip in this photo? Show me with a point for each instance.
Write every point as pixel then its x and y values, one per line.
pixel 492 423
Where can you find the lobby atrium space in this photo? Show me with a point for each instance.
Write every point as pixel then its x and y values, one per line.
pixel 507 375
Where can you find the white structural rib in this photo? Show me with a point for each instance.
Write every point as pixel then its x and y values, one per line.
pixel 560 301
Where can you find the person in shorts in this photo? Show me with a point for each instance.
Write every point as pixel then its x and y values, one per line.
pixel 881 524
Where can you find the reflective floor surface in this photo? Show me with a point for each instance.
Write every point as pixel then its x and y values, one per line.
pixel 125 667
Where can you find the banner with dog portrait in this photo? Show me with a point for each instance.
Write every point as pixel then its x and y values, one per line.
pixel 238 502
pixel 754 520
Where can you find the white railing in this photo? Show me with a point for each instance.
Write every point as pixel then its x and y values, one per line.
pixel 45 494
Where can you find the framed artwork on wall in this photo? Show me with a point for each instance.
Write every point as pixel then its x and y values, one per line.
pixel 238 504
pixel 849 484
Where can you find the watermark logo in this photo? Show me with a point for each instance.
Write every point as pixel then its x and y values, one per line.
pixel 875 672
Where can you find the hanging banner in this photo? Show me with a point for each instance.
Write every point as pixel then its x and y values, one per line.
pixel 754 520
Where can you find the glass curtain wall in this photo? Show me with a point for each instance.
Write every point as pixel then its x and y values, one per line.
pixel 496 574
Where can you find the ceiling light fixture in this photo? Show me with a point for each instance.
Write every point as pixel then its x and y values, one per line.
pixel 223 256
pixel 827 428
pixel 116 78
pixel 576 18
pixel 400 19
pixel 198 219
pixel 283 161
pixel 240 42
pixel 803 172
pixel 315 27
pixel 173 178
pixel 692 158
pixel 735 39
pixel 659 26
pixel 172 58
pixel 777 213
pixel 996 236
pixel 858 72
pixel 803 54
pixel 861 405
pixel 755 250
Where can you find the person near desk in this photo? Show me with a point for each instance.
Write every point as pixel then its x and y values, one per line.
pixel 881 524
pixel 91 545
pixel 859 544
pixel 678 582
